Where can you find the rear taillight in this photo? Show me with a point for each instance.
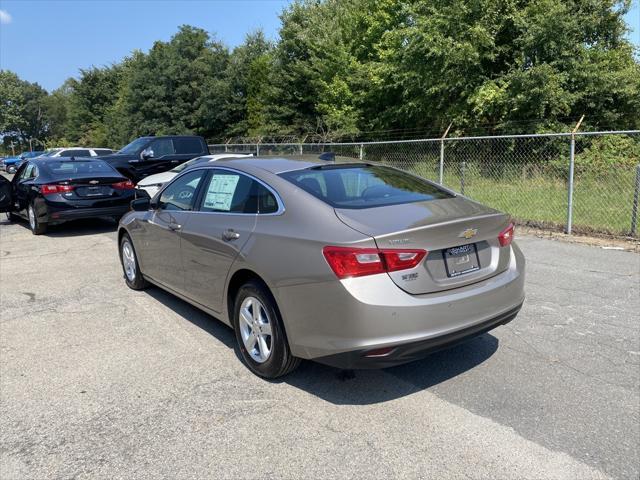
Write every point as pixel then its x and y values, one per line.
pixel 357 262
pixel 402 259
pixel 505 237
pixel 51 189
pixel 126 185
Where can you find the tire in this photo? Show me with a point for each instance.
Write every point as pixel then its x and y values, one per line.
pixel 37 228
pixel 132 276
pixel 261 313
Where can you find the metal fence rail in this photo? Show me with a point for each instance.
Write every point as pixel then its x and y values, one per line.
pixel 586 182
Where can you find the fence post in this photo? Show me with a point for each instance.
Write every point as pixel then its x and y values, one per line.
pixel 361 151
pixel 258 149
pixel 441 177
pixel 462 170
pixel 572 152
pixel 226 145
pixel 636 199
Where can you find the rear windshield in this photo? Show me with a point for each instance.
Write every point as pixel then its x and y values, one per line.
pixel 364 186
pixel 73 167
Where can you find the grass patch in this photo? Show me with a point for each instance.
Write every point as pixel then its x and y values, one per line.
pixel 601 205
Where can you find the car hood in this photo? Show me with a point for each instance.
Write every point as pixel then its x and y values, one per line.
pixel 157 178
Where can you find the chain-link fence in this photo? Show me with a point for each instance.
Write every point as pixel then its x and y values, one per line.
pixel 584 182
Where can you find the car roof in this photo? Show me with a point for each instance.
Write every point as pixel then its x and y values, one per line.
pixel 284 163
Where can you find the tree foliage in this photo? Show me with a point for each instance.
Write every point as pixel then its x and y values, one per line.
pixel 356 69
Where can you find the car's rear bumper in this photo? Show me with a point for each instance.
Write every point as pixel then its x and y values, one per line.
pixel 339 322
pixel 80 213
pixel 409 352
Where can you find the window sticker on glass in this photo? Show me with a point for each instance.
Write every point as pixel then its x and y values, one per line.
pixel 220 192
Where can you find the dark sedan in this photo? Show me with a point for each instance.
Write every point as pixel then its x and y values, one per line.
pixel 52 191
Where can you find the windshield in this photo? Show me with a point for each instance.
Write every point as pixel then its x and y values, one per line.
pixel 135 146
pixel 364 186
pixel 193 161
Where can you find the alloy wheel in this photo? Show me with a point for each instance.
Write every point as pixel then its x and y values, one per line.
pixel 255 329
pixel 32 218
pixel 128 261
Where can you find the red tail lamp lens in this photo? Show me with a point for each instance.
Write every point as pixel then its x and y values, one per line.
pixel 51 189
pixel 357 262
pixel 126 185
pixel 402 259
pixel 505 237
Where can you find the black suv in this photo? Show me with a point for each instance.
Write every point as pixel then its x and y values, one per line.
pixel 149 155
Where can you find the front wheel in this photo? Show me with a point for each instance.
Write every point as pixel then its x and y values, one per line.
pixel 130 266
pixel 260 333
pixel 37 228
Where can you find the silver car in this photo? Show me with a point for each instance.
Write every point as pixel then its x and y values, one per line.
pixel 349 264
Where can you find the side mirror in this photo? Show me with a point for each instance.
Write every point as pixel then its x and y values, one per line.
pixel 146 153
pixel 140 204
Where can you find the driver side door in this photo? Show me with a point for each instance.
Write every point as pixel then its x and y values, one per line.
pixel 6 195
pixel 160 254
pixel 21 186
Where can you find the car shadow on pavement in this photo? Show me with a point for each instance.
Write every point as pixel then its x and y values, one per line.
pixel 206 322
pixel 353 387
pixel 75 228
pixel 364 387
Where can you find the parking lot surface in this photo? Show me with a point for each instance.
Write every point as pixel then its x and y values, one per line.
pixel 99 381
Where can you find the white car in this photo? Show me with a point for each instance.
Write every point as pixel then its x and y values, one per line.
pixel 77 152
pixel 153 183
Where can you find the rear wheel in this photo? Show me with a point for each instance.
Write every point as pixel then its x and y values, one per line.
pixel 260 333
pixel 130 266
pixel 36 227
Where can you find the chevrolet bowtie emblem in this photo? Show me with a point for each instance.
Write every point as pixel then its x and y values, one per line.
pixel 468 233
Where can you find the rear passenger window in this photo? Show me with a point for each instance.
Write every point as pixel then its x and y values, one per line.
pixel 267 202
pixel 229 192
pixel 187 145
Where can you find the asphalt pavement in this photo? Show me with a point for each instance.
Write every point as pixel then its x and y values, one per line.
pixel 99 381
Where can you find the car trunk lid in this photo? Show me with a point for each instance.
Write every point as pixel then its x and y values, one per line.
pixel 93 187
pixel 461 237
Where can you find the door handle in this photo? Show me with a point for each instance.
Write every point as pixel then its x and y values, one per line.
pixel 230 235
pixel 175 227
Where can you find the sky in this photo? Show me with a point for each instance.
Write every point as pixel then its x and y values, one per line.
pixel 47 41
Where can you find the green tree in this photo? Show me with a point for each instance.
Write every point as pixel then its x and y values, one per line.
pixel 246 82
pixel 22 114
pixel 174 88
